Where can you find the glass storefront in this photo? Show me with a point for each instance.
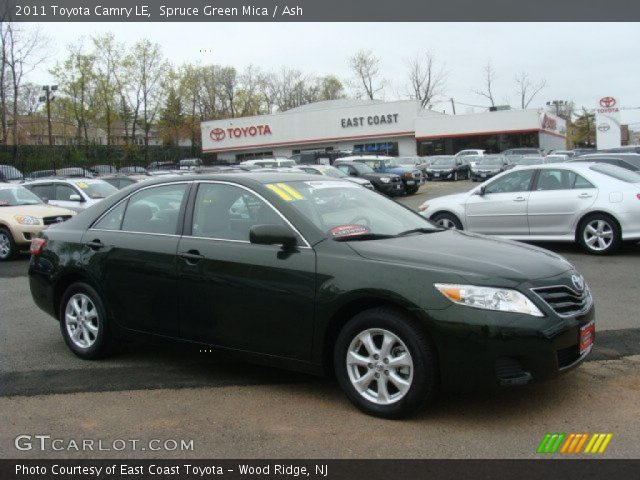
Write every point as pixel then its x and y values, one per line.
pixel 384 148
pixel 490 143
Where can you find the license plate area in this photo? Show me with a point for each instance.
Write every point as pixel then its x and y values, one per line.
pixel 587 337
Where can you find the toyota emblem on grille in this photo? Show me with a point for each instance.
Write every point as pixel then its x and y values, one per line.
pixel 59 219
pixel 578 281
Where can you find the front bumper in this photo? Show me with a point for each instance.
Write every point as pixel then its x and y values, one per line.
pixel 482 176
pixel 443 175
pixel 503 349
pixel 391 188
pixel 23 234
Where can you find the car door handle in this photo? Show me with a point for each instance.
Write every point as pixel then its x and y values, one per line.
pixel 519 199
pixel 95 244
pixel 584 195
pixel 192 256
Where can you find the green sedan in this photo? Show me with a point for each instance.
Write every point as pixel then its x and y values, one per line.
pixel 316 275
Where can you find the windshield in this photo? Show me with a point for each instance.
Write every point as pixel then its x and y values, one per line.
pixel 332 172
pixel 96 189
pixel 10 173
pixel 616 172
pixel 14 195
pixel 342 209
pixel 407 161
pixel 488 160
pixel 363 168
pixel 443 161
pixel 528 161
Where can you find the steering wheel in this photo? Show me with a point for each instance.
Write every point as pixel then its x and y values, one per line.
pixel 366 221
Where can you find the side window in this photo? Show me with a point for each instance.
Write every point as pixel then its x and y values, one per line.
pixel 555 180
pixel 43 191
pixel 64 192
pixel 518 181
pixel 582 182
pixel 154 210
pixel 344 168
pixel 228 212
pixel 112 220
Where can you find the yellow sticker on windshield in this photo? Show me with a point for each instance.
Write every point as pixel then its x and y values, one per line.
pixel 82 185
pixel 291 191
pixel 285 192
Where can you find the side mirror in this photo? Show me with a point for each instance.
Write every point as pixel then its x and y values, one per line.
pixel 273 235
pixel 481 191
pixel 353 174
pixel 45 199
pixel 75 198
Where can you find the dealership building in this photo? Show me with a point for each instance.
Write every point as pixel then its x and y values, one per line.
pixel 399 128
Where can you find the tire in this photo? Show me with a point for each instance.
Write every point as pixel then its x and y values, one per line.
pixel 94 340
pixel 599 234
pixel 412 190
pixel 407 337
pixel 8 249
pixel 447 220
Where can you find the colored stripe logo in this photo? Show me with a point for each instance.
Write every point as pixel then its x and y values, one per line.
pixel 574 443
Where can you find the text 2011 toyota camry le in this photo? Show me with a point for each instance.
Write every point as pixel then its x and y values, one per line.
pixel 314 275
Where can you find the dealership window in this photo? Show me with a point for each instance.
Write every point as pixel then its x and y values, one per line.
pixel 490 143
pixel 382 148
pixel 240 157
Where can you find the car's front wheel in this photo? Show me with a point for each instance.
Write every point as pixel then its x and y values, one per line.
pixel 7 245
pixel 447 220
pixel 599 234
pixel 83 322
pixel 385 363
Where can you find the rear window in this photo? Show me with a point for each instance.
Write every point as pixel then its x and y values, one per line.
pixel 618 173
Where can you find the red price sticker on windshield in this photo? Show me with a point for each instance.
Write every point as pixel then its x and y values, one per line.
pixel 348 231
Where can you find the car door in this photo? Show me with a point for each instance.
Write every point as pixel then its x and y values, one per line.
pixel 237 294
pixel 133 255
pixel 558 197
pixel 502 208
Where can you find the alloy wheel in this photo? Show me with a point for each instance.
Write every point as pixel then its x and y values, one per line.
pixel 598 235
pixel 446 223
pixel 5 245
pixel 81 320
pixel 379 366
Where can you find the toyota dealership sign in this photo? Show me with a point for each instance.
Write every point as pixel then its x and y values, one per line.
pixel 608 134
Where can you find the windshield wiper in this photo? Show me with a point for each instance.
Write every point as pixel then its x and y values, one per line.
pixel 366 236
pixel 419 230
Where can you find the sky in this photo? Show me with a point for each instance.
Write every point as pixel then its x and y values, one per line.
pixel 579 61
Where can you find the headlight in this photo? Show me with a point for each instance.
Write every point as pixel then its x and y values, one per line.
pixel 26 220
pixel 487 298
pixel 385 179
pixel 423 207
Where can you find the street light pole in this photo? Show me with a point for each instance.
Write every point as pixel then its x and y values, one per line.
pixel 48 98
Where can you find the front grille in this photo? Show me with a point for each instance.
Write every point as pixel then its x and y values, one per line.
pixel 56 219
pixel 567 356
pixel 565 301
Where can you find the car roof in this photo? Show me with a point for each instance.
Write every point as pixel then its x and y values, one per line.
pixel 64 179
pixel 244 178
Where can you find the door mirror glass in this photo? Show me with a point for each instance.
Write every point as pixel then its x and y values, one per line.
pixel 45 199
pixel 481 191
pixel 272 235
pixel 75 198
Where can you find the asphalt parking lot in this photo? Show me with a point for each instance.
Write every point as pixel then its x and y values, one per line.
pixel 232 409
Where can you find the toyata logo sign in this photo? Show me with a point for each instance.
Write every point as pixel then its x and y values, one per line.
pixel 608 105
pixel 217 134
pixel 604 127
pixel 607 102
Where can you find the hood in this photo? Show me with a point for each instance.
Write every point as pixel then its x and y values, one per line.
pixel 399 170
pixel 477 258
pixel 358 180
pixel 38 211
pixel 442 167
pixel 488 167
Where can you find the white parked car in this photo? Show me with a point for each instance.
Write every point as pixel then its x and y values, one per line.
pixel 464 153
pixel 334 172
pixel 596 205
pixel 271 162
pixel 73 193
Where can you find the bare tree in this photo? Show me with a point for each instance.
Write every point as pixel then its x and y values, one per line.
pixel 29 99
pixel 489 78
pixel 527 89
pixel 425 79
pixel 366 69
pixel 23 51
pixel 229 83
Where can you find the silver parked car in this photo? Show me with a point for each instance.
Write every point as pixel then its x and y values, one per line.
pixel 73 193
pixel 596 205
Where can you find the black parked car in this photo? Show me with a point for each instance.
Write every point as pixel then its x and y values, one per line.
pixel 387 183
pixel 448 168
pixel 488 166
pixel 315 275
pixel 630 161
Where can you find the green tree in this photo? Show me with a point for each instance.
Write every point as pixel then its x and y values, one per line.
pixel 331 88
pixel 583 129
pixel 171 122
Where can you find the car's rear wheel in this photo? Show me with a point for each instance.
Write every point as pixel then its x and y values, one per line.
pixel 8 247
pixel 83 322
pixel 599 234
pixel 385 363
pixel 447 220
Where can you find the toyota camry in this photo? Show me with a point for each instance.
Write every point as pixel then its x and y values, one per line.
pixel 316 275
